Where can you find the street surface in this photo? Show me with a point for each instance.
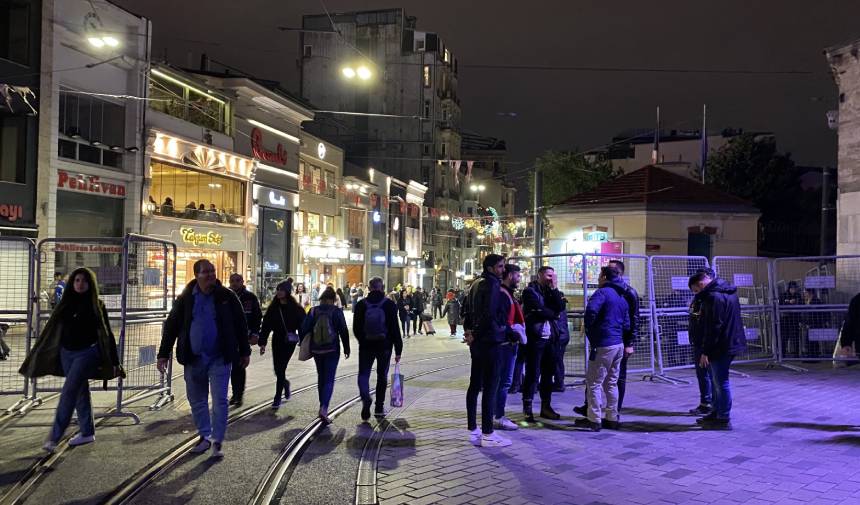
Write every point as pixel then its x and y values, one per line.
pixel 784 449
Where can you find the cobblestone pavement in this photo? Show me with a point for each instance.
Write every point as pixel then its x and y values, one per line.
pixel 795 440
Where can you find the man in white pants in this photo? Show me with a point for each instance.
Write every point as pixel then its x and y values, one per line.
pixel 607 317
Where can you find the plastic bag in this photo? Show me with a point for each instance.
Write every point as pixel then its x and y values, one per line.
pixel 396 387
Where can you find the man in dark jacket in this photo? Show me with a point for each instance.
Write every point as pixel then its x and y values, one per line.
pixel 418 306
pixel 376 328
pixel 254 317
pixel 851 327
pixel 717 326
pixel 543 307
pixel 607 319
pixel 631 337
pixel 485 323
pixel 208 326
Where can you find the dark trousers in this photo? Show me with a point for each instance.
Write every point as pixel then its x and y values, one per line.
pixel 622 383
pixel 540 361
pixel 237 379
pixel 416 321
pixel 558 376
pixel 453 329
pixel 484 376
pixel 703 377
pixel 720 388
pixel 519 370
pixel 367 355
pixel 404 325
pixel 437 309
pixel 326 370
pixel 281 354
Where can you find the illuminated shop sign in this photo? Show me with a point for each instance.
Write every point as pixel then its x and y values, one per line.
pixel 196 238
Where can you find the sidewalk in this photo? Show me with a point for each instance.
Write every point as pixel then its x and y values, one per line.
pixel 784 449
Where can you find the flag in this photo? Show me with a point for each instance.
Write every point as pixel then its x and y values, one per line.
pixel 469 165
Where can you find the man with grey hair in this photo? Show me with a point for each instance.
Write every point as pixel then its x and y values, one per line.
pixel 375 326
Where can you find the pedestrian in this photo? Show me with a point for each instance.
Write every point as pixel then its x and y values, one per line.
pixel 543 306
pixel 418 306
pixel 561 346
pixel 515 332
pixel 630 337
pixel 850 334
pixel 76 343
pixel 341 297
pixel 703 374
pixel 207 325
pixel 404 308
pixel 353 295
pixel 253 318
pixel 719 328
pixel 607 318
pixel 485 330
pixel 375 327
pixel 454 311
pixel 302 297
pixel 436 301
pixel 315 295
pixel 324 324
pixel 790 321
pixel 59 288
pixel 283 319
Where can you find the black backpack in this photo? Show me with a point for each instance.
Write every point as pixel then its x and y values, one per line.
pixel 375 327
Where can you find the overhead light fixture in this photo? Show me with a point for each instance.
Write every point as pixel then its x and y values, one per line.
pixel 96 42
pixel 96 143
pixel 132 149
pixel 110 41
pixel 116 148
pixel 348 72
pixel 363 73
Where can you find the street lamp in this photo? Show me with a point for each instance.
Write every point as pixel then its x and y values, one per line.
pixel 477 189
pixel 362 72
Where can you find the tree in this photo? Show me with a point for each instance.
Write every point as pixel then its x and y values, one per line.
pixel 568 173
pixel 751 168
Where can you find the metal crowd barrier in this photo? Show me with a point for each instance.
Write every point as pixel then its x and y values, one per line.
pixel 16 317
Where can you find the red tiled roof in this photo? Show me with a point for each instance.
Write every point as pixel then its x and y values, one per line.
pixel 653 188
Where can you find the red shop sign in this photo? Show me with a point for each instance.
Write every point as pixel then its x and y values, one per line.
pixel 90 184
pixel 261 153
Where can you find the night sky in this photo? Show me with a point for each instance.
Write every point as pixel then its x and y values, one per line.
pixel 572 109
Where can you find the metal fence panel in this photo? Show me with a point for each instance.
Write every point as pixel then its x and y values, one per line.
pixel 674 350
pixel 812 296
pixel 17 257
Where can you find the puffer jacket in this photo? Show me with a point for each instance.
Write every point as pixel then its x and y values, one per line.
pixel 607 316
pixel 715 321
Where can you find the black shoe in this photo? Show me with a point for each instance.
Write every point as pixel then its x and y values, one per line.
pixel 558 389
pixel 611 425
pixel 716 423
pixel 287 391
pixel 585 423
pixel 546 412
pixel 703 409
pixel 379 411
pixel 232 401
pixel 707 419
pixel 365 411
pixel 236 401
pixel 527 411
pixel 581 410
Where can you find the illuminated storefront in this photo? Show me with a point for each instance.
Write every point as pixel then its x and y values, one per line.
pixel 326 259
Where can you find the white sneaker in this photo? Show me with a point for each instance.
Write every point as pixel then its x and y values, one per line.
pixel 475 437
pixel 49 447
pixel 503 423
pixel 494 440
pixel 81 440
pixel 202 446
pixel 217 451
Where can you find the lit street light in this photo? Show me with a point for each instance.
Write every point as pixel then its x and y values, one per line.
pixel 362 72
pixel 348 72
pixel 477 189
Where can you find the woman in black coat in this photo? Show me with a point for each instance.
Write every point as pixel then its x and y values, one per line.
pixel 283 318
pixel 404 310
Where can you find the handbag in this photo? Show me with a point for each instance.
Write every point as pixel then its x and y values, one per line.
pixel 396 387
pixel 292 336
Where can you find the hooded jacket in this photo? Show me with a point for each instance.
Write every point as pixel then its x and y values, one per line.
pixel 44 358
pixel 715 321
pixel 851 327
pixel 393 335
pixel 229 319
pixel 607 315
pixel 541 305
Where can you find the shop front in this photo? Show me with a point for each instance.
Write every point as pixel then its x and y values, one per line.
pixel 324 260
pixel 273 210
pixel 397 263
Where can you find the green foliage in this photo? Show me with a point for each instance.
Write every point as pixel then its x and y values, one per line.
pixel 568 173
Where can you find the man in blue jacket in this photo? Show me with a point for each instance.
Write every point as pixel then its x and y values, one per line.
pixel 607 319
pixel 718 326
pixel 485 325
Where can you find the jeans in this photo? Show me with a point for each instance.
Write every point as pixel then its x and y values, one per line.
pixel 540 360
pixel 237 379
pixel 519 369
pixel 720 387
pixel 367 355
pixel 453 329
pixel 437 309
pixel 601 381
pixel 558 376
pixel 404 326
pixel 484 375
pixel 281 354
pixel 703 376
pixel 202 376
pixel 79 367
pixel 507 361
pixel 326 370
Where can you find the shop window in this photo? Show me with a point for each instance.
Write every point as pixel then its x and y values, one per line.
pixel 86 215
pixel 13 148
pixel 328 225
pixel 307 52
pixel 15 31
pixel 183 101
pixel 178 192
pixel 299 221
pixel 329 184
pixel 355 223
pixel 313 224
pixel 273 233
pixel 426 76
pixel 92 130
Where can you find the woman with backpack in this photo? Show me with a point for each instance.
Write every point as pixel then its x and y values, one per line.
pixel 283 319
pixel 404 311
pixel 77 343
pixel 324 324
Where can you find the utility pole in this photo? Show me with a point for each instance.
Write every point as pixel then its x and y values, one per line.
pixel 825 210
pixel 538 212
pixel 704 154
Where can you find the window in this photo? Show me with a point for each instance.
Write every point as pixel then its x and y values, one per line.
pixel 313 224
pixel 15 31
pixel 427 76
pixel 329 184
pixel 92 130
pixel 186 102
pixel 299 221
pixel 426 149
pixel 420 44
pixel 307 50
pixel 443 148
pixel 222 198
pixel 355 223
pixel 13 148
pixel 328 225
pixel 426 108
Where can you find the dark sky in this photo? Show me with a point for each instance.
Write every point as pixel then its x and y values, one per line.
pixel 570 109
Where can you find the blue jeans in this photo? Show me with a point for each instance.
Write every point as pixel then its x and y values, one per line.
pixel 367 355
pixel 507 361
pixel 326 370
pixel 720 386
pixel 79 367
pixel 205 375
pixel 703 376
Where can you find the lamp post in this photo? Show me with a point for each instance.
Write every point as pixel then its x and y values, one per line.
pixel 477 189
